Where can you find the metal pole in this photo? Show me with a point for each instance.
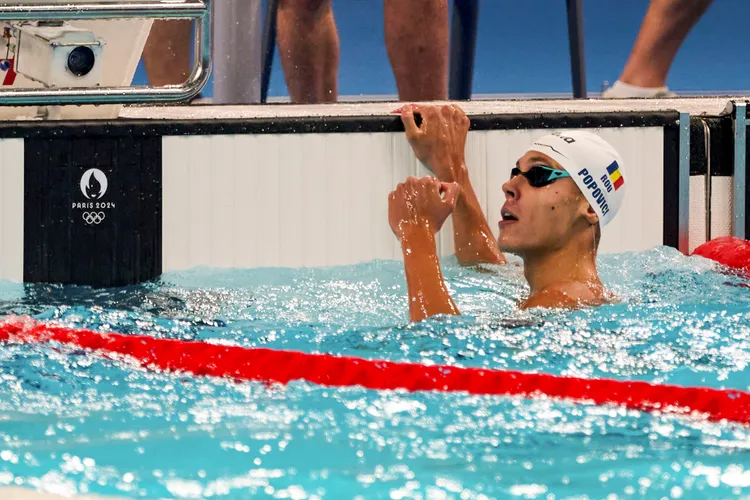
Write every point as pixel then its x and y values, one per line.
pixel 269 44
pixel 237 52
pixel 575 38
pixel 708 191
pixel 463 48
pixel 740 169
pixel 683 190
pixel 44 12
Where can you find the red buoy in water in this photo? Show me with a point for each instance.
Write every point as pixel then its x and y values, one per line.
pixel 728 250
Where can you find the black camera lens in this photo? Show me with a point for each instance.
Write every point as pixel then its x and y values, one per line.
pixel 81 61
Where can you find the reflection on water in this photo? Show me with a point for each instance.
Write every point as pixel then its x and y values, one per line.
pixel 72 422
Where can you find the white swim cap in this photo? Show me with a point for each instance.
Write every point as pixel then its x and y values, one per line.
pixel 592 163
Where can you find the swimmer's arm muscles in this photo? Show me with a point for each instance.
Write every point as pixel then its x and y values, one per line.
pixel 428 295
pixel 474 241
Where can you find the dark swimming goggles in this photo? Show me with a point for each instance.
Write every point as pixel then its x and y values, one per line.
pixel 540 175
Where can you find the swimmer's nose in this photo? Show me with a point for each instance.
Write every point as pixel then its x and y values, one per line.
pixel 510 188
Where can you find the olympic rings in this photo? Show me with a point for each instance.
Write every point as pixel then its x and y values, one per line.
pixel 93 218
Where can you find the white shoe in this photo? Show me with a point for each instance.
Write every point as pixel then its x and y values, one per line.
pixel 621 90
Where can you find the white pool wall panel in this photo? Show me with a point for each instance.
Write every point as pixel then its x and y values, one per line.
pixel 11 209
pixel 697 211
pixel 722 215
pixel 293 200
pixel 721 209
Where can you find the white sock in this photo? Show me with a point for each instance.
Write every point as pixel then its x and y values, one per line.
pixel 621 89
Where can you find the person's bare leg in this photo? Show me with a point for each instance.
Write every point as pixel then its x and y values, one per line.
pixel 417 39
pixel 665 27
pixel 167 52
pixel 309 49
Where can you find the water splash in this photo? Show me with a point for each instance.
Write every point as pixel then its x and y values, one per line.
pixel 72 422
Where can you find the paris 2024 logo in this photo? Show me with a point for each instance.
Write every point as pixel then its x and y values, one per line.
pixel 94 185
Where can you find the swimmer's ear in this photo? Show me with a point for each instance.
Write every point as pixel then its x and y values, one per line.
pixel 591 215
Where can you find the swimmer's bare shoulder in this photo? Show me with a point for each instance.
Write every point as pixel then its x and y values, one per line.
pixel 570 295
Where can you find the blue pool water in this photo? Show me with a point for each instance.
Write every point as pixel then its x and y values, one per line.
pixel 71 422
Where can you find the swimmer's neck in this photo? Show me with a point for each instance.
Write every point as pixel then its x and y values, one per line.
pixel 569 264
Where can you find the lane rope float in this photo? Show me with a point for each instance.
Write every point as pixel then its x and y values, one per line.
pixel 730 251
pixel 280 366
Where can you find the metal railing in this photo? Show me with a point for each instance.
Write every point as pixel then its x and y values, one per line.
pixel 199 10
pixel 465 25
pixel 575 40
pixel 269 47
pixel 739 192
pixel 98 10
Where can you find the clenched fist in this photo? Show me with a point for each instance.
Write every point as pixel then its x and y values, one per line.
pixel 421 203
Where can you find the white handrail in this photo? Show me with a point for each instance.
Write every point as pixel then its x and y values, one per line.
pixel 188 9
pixel 102 10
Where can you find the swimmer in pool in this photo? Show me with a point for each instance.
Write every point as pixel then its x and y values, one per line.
pixel 559 195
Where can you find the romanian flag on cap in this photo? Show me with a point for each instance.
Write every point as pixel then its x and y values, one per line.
pixel 615 176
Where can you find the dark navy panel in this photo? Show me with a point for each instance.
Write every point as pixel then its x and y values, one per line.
pixel 93 211
pixel 720 145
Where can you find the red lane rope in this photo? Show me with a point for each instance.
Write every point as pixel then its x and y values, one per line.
pixel 728 250
pixel 277 366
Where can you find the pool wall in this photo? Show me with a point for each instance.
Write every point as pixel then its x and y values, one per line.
pixel 113 202
pixel 321 199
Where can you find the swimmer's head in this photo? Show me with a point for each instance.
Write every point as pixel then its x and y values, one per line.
pixel 566 186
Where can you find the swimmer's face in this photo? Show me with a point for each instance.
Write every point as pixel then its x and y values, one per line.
pixel 541 219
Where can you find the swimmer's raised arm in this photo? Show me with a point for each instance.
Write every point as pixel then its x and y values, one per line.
pixel 439 142
pixel 417 210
